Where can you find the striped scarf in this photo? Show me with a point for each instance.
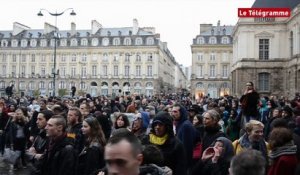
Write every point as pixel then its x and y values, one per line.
pixel 287 149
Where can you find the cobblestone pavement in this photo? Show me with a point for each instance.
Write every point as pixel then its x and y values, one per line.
pixel 6 169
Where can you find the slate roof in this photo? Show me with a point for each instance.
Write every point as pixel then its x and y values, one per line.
pixel 83 33
pixel 275 3
pixel 216 29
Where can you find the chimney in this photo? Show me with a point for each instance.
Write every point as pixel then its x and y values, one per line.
pixel 219 27
pixel 18 28
pixel 48 28
pixel 73 28
pixel 95 26
pixel 205 27
pixel 135 27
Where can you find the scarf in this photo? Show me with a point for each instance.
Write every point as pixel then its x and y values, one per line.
pixel 158 140
pixel 287 149
pixel 260 145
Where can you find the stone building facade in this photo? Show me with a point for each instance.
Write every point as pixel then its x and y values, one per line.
pixel 99 61
pixel 266 52
pixel 211 61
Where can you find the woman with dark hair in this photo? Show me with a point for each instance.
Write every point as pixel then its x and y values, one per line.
pixel 215 159
pixel 18 134
pixel 92 156
pixel 121 121
pixel 283 152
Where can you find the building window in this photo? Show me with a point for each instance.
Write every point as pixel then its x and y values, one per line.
pixel 138 57
pixel 127 41
pixel 14 43
pixel 150 57
pixel 62 85
pixel 3 70
pixel 32 70
pixel 63 71
pixel 73 71
pixel 200 68
pixel 105 41
pixel 14 58
pixel 212 40
pixel 4 56
pixel 83 71
pixel 24 43
pixel 63 42
pixel 33 58
pixel 104 70
pixel 33 43
pixel 225 40
pixel 95 42
pixel 116 41
pixel 4 43
pixel 127 70
pixel 200 57
pixel 212 57
pixel 105 57
pixel 138 71
pixel 43 71
pixel 150 41
pixel 52 42
pixel 225 56
pixel 94 70
pixel 43 43
pixel 212 71
pixel 73 59
pixel 42 85
pixel 43 59
pixel 263 49
pixel 116 71
pixel 116 57
pixel 83 58
pixel 127 57
pixel 23 71
pixel 84 42
pixel 264 81
pixel 291 43
pixel 200 40
pixel 74 42
pixel 23 58
pixel 63 58
pixel 199 85
pixel 225 71
pixel 138 41
pixel 149 71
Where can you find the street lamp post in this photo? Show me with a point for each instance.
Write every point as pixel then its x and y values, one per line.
pixel 56 14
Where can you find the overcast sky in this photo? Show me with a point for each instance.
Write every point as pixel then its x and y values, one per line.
pixel 177 21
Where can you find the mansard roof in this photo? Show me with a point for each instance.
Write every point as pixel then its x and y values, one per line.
pixel 123 31
pixel 218 30
pixel 275 3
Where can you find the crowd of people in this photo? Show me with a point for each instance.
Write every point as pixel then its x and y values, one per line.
pixel 163 134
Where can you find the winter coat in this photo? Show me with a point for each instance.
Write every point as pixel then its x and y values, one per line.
pixel 90 159
pixel 61 159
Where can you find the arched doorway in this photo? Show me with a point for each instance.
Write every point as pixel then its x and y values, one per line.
pixel 93 89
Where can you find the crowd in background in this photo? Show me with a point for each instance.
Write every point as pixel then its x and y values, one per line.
pixel 180 136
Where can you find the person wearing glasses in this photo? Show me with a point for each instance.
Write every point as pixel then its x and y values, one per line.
pixel 249 101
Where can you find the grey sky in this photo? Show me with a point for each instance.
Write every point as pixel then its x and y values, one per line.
pixel 177 21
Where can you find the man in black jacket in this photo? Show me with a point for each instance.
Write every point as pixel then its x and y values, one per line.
pixel 61 157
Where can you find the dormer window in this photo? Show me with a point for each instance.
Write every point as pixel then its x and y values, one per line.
pixel 4 43
pixel 130 32
pixel 108 33
pixel 14 43
pixel 127 41
pixel 63 42
pixel 212 40
pixel 225 40
pixel 24 43
pixel 212 31
pixel 138 41
pixel 95 41
pixel 74 42
pixel 43 43
pixel 150 41
pixel 84 42
pixel 200 40
pixel 33 43
pixel 105 41
pixel 116 41
pixel 120 33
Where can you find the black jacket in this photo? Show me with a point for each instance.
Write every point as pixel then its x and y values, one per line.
pixel 90 159
pixel 61 159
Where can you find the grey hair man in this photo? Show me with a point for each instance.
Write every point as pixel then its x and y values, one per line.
pixel 248 162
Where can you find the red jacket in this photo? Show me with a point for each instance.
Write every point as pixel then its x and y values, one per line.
pixel 284 165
